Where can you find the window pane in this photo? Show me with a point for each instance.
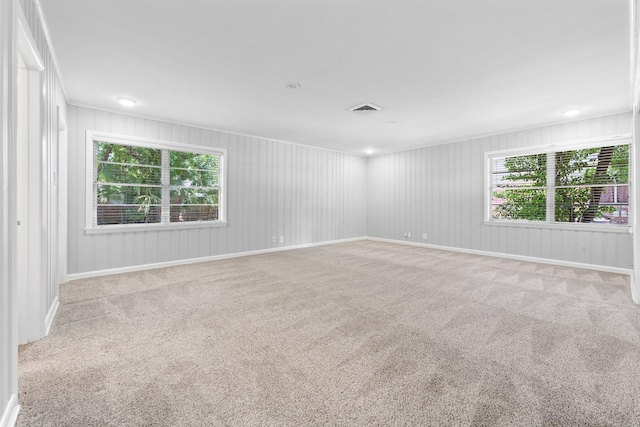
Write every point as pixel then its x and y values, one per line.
pixel 599 205
pixel 191 196
pixel 108 152
pixel 119 204
pixel 128 194
pixel 128 214
pixel 586 202
pixel 122 173
pixel 601 165
pixel 182 213
pixel 520 204
pixel 194 204
pixel 519 171
pixel 127 164
pixel 193 170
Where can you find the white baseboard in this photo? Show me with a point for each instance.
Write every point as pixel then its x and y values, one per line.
pixel 605 268
pixel 635 292
pixel 129 269
pixel 97 273
pixel 10 415
pixel 48 321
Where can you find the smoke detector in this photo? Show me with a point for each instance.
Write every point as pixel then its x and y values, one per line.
pixel 365 108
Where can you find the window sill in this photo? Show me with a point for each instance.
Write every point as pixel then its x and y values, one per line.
pixel 104 229
pixel 620 229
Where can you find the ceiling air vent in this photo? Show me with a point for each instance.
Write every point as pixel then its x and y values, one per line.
pixel 365 108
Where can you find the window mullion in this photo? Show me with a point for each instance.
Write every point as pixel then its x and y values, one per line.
pixel 166 190
pixel 551 187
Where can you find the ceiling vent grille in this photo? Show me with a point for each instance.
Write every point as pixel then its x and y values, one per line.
pixel 365 108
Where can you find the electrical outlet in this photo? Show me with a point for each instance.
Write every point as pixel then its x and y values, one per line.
pixel 281 239
pixel 409 234
pixel 424 236
pixel 274 239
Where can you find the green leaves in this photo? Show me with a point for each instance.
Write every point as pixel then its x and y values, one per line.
pixel 526 170
pixel 521 204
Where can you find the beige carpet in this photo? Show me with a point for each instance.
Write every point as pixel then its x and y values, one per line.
pixel 362 333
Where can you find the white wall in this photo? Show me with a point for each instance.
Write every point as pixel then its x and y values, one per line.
pixel 51 98
pixel 439 190
pixel 278 189
pixel 8 296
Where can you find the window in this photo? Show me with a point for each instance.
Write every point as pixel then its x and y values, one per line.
pixel 586 183
pixel 136 182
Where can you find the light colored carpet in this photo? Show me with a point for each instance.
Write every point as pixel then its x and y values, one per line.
pixel 362 333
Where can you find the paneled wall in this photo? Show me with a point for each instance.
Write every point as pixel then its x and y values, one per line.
pixel 277 189
pixel 8 297
pixel 635 195
pixel 52 98
pixel 439 190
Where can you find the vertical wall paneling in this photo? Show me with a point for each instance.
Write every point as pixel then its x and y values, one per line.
pixel 451 182
pixel 61 124
pixel 8 296
pixel 635 152
pixel 304 194
pixel 52 107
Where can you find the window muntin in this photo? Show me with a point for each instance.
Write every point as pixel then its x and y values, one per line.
pixel 588 185
pixel 143 182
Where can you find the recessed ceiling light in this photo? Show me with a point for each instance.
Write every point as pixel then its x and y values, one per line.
pixel 572 113
pixel 126 102
pixel 293 86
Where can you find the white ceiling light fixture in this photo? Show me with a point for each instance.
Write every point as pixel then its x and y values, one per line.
pixel 126 102
pixel 572 112
pixel 369 151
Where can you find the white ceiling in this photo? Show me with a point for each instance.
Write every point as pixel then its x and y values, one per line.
pixel 441 70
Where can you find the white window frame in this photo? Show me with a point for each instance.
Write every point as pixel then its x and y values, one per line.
pixel 91 226
pixel 549 223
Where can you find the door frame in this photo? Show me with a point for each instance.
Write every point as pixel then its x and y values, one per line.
pixel 31 272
